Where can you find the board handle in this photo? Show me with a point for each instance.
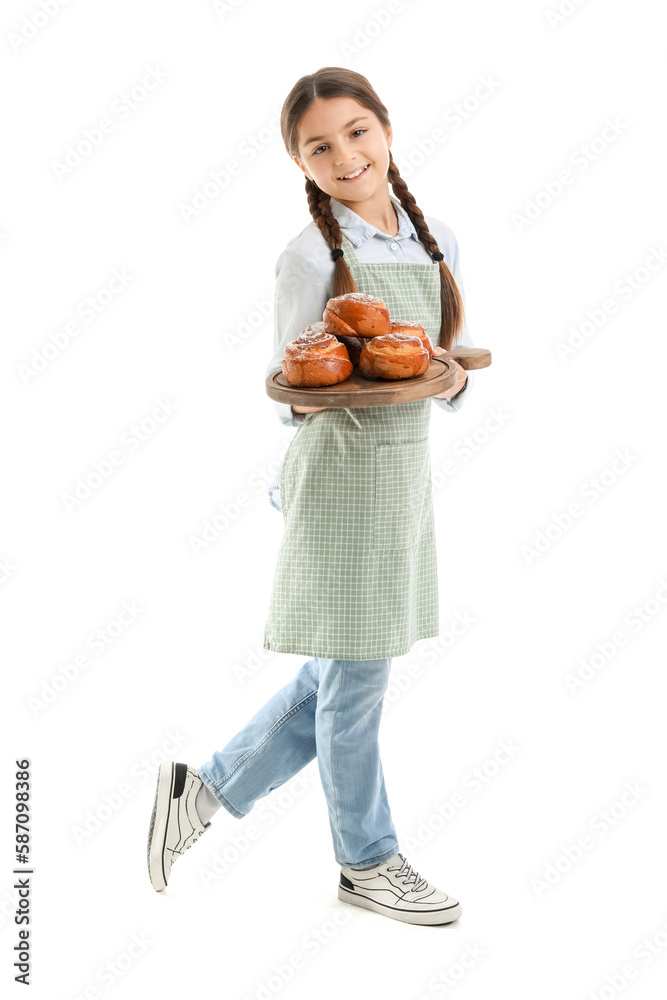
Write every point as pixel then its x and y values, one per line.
pixel 468 357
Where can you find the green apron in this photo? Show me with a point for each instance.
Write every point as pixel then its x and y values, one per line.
pixel 356 575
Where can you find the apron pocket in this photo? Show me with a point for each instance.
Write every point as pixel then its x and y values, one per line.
pixel 402 478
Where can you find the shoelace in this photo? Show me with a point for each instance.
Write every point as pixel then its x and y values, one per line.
pixel 196 837
pixel 187 847
pixel 406 872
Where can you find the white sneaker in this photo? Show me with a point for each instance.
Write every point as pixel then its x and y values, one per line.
pixel 175 823
pixel 397 890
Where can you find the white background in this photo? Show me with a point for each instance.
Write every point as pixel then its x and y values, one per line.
pixel 187 328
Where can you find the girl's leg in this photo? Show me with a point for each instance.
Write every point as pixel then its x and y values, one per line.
pixel 275 745
pixel 332 710
pixel 278 742
pixel 347 720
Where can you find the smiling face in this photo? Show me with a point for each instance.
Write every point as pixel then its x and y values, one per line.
pixel 338 137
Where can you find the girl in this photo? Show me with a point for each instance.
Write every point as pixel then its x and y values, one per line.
pixel 355 582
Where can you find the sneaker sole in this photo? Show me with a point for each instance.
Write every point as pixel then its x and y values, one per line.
pixel 445 915
pixel 157 834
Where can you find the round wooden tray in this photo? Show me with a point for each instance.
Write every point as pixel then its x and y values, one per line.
pixel 359 391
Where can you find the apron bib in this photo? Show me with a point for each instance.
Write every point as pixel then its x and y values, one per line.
pixel 356 574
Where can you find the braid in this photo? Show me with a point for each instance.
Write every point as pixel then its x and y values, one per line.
pixel 451 303
pixel 319 204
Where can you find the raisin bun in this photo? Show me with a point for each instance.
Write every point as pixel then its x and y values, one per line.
pixel 412 330
pixel 394 356
pixel 315 358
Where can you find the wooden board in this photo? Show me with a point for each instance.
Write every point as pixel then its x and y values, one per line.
pixel 357 390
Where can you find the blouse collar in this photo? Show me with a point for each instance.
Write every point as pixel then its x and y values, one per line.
pixel 358 230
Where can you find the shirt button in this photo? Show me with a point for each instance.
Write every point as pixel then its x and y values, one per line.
pixel 394 246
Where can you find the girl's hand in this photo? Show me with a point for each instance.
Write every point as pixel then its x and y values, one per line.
pixel 307 409
pixel 462 377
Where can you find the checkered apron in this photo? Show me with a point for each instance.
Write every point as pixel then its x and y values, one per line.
pixel 356 575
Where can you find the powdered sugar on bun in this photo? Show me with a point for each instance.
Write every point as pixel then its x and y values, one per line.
pixel 313 333
pixel 318 346
pixel 404 322
pixel 397 340
pixel 359 297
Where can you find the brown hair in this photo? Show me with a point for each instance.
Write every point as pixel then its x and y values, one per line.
pixel 336 81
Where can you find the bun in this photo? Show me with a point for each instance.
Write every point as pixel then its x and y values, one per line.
pixel 356 314
pixel 412 330
pixel 394 356
pixel 315 358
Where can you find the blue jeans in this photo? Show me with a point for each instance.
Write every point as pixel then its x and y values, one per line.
pixel 331 709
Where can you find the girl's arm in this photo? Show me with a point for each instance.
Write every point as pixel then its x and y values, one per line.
pixel 300 299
